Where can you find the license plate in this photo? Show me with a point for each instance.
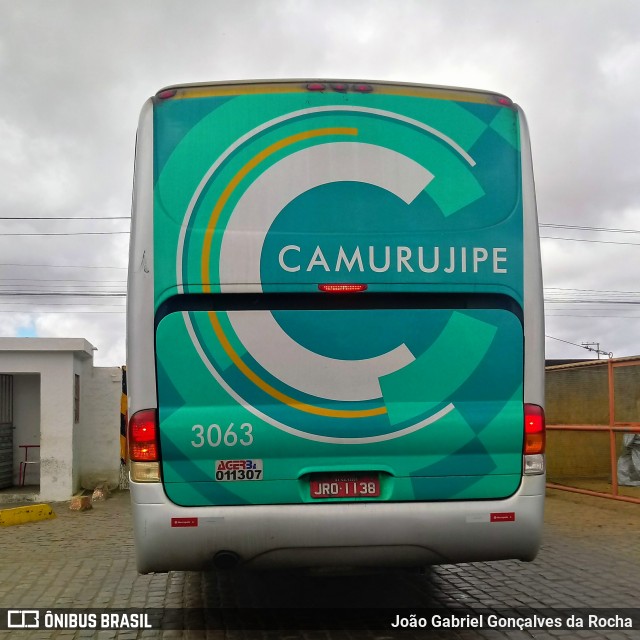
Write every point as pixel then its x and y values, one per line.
pixel 344 486
pixel 234 470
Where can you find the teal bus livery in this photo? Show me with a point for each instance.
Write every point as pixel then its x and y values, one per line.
pixel 335 328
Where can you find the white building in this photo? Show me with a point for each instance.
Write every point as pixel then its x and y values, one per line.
pixel 67 411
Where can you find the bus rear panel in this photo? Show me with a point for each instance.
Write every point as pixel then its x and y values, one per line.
pixel 335 330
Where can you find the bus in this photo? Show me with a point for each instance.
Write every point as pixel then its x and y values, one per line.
pixel 334 328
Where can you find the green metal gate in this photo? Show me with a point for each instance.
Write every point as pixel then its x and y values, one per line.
pixel 6 431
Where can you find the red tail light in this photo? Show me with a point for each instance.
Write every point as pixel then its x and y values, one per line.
pixel 342 288
pixel 534 429
pixel 362 88
pixel 166 94
pixel 340 87
pixel 143 436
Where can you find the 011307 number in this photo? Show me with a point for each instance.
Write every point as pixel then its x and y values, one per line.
pixel 215 436
pixel 230 470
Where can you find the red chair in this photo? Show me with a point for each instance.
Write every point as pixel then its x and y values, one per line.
pixel 26 461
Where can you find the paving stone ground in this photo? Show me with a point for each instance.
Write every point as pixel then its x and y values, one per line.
pixel 590 559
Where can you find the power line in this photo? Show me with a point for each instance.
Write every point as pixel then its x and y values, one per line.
pixel 80 294
pixel 571 315
pixel 590 301
pixel 584 309
pixel 74 311
pixel 541 224
pixel 43 311
pixel 565 341
pixel 598 290
pixel 635 244
pixel 38 280
pixel 584 228
pixel 36 286
pixel 65 217
pixel 74 233
pixel 107 233
pixel 67 304
pixel 585 345
pixel 58 266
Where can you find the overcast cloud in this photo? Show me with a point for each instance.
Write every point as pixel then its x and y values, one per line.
pixel 75 74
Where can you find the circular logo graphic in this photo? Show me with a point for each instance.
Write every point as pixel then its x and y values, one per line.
pixel 279 217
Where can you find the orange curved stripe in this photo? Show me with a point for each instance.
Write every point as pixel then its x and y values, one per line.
pixel 267 388
pixel 206 286
pixel 235 181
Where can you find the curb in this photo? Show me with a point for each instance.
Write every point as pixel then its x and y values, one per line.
pixel 21 515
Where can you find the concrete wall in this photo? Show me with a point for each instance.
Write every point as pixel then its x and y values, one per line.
pixel 70 454
pixel 55 369
pixel 56 432
pixel 99 432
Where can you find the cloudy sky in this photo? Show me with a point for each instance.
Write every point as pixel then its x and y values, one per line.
pixel 75 74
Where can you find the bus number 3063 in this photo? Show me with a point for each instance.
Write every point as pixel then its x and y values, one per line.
pixel 215 436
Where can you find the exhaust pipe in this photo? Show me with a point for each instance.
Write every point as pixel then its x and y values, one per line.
pixel 226 560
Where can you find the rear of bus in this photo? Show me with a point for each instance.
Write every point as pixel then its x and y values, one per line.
pixel 335 328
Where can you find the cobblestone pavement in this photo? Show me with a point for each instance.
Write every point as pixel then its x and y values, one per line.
pixel 590 559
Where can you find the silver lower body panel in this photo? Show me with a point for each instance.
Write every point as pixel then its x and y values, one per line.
pixel 364 534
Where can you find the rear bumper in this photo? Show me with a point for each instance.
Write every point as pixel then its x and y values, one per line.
pixel 170 537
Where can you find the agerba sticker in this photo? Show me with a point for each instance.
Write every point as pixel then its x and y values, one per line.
pixel 233 470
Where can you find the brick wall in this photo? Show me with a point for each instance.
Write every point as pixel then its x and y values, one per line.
pixel 580 395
